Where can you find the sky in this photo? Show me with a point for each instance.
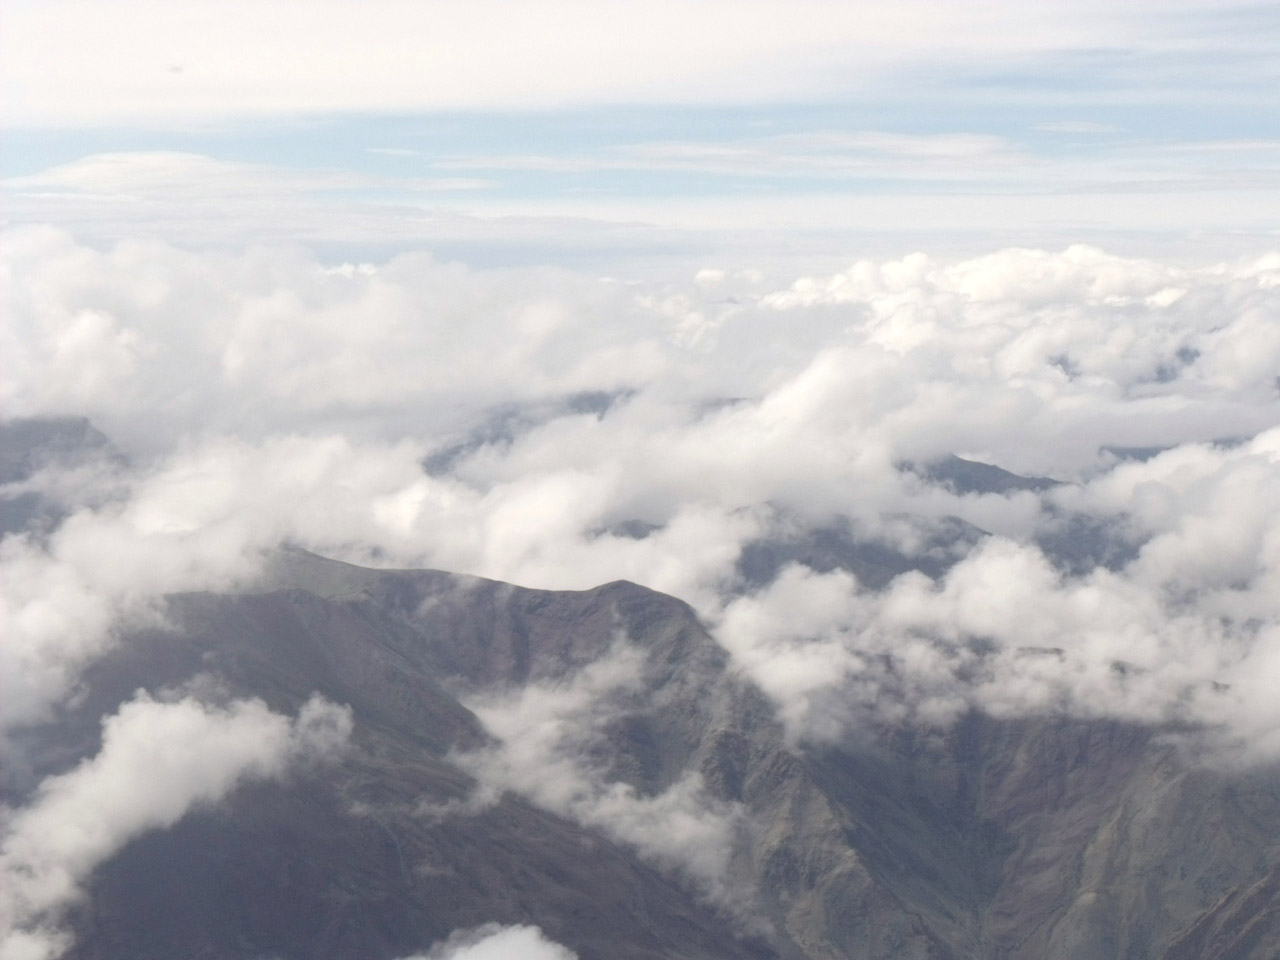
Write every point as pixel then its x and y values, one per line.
pixel 654 127
pixel 561 292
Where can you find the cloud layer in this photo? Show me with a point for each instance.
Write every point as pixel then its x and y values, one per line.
pixel 558 430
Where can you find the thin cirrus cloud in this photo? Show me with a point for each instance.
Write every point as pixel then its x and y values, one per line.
pixel 542 733
pixel 883 162
pixel 865 154
pixel 66 61
pixel 176 177
pixel 847 185
pixel 1052 122
pixel 190 197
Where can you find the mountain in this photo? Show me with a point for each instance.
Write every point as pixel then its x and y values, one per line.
pixel 963 476
pixel 29 445
pixel 591 763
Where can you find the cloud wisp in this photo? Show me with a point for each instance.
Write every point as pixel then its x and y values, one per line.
pixel 675 192
pixel 545 732
pixel 159 759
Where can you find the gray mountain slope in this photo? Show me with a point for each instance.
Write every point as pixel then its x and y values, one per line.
pixel 338 862
pixel 1037 838
pixel 963 476
pixel 31 444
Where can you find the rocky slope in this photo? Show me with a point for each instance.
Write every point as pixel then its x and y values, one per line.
pixel 1026 838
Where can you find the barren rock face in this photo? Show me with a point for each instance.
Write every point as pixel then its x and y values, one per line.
pixel 589 763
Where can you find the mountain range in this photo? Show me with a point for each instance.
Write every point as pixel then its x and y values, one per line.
pixel 593 763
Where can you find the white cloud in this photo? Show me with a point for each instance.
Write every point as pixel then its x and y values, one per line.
pixel 494 942
pixel 545 730
pixel 866 154
pixel 857 188
pixel 158 760
pixel 191 198
pixel 76 61
pixel 202 520
pixel 136 176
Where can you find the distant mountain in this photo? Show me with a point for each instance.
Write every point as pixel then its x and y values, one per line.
pixel 963 476
pixel 28 444
pixel 1076 543
pixel 686 824
pixel 31 444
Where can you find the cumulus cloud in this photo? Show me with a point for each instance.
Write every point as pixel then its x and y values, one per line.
pixel 201 520
pixel 158 760
pixel 558 431
pixel 271 339
pixel 998 348
pixel 494 942
pixel 1179 634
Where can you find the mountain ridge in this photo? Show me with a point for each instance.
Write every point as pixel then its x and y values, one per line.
pixel 1036 837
